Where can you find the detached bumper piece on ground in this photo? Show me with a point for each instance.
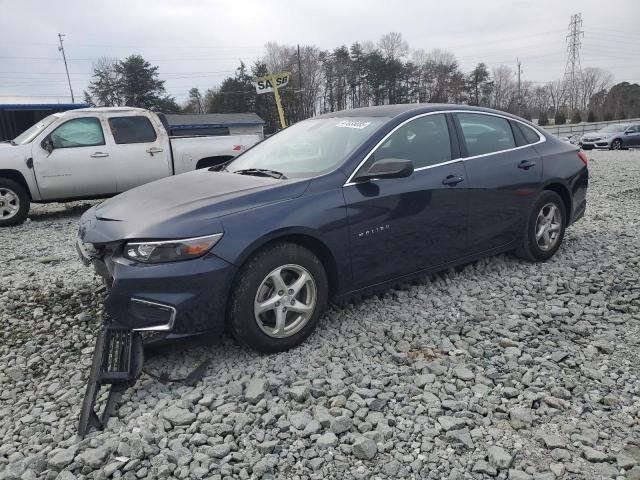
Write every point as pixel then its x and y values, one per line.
pixel 117 363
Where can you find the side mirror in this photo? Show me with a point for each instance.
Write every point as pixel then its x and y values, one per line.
pixel 47 144
pixel 628 132
pixel 387 168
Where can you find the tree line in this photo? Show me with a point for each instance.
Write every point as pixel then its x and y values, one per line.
pixel 374 73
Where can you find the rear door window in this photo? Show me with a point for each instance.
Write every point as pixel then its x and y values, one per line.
pixel 485 133
pixel 132 130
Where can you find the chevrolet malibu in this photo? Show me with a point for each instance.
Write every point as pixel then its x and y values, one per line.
pixel 332 207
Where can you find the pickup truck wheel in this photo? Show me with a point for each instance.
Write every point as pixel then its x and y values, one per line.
pixel 14 203
pixel 277 298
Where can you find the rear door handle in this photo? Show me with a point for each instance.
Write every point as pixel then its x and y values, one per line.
pixel 452 180
pixel 153 150
pixel 99 155
pixel 526 164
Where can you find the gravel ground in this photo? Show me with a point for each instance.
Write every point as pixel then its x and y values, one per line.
pixel 501 369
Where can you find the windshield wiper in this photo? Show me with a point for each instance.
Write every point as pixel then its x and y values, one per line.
pixel 263 172
pixel 221 167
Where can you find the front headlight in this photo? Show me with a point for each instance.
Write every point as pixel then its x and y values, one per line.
pixel 170 250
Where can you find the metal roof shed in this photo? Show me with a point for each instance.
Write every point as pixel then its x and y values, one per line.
pixel 215 124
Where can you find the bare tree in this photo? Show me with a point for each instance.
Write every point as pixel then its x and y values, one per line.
pixel 393 46
pixel 279 58
pixel 539 100
pixel 105 87
pixel 504 87
pixel 593 80
pixel 557 93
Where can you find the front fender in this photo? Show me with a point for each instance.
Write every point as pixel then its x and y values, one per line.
pixel 317 218
pixel 13 165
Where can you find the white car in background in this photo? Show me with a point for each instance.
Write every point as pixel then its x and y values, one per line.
pixel 100 152
pixel 613 137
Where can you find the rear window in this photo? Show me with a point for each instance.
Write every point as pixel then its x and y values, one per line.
pixel 132 130
pixel 530 135
pixel 485 133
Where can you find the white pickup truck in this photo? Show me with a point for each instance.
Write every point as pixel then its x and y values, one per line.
pixel 99 152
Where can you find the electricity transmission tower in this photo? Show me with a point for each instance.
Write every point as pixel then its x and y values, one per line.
pixel 61 49
pixel 572 70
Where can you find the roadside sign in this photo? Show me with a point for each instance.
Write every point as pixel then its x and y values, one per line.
pixel 271 83
pixel 266 84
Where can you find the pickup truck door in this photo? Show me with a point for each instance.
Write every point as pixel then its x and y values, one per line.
pixel 141 150
pixel 79 166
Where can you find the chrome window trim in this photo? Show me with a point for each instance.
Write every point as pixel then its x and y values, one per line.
pixel 542 139
pixel 167 327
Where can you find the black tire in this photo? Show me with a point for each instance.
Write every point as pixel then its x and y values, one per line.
pixel 17 193
pixel 241 319
pixel 530 249
pixel 616 144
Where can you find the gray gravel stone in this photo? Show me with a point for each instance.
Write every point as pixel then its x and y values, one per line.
pixel 341 424
pixel 327 440
pixel 256 389
pixel 499 458
pixel 179 416
pixel 594 456
pixel 364 448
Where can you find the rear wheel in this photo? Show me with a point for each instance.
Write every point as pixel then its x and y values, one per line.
pixel 277 298
pixel 14 203
pixel 545 228
pixel 616 144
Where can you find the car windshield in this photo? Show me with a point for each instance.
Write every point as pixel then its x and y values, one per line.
pixel 308 148
pixel 33 131
pixel 615 128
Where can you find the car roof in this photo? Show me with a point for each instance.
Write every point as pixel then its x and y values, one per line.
pixel 396 110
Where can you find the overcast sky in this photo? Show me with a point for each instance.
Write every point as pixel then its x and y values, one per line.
pixel 199 42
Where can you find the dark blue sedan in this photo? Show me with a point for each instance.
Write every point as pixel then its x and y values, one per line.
pixel 332 207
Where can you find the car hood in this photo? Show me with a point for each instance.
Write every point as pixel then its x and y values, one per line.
pixel 187 205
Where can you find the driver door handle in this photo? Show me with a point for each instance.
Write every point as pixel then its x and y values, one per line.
pixel 452 180
pixel 152 150
pixel 99 155
pixel 526 164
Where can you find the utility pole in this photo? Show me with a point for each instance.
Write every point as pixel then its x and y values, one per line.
pixel 300 82
pixel 61 49
pixel 519 87
pixel 572 69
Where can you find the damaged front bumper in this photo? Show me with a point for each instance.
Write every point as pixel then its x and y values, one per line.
pixel 117 361
pixel 178 298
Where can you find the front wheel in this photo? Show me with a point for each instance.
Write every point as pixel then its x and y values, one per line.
pixel 14 203
pixel 277 298
pixel 545 228
pixel 616 144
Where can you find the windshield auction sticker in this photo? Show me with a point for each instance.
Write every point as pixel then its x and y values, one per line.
pixel 353 124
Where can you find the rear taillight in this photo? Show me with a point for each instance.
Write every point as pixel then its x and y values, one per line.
pixel 583 157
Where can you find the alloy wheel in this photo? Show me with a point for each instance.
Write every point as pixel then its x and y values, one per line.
pixel 616 145
pixel 285 301
pixel 548 226
pixel 9 203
